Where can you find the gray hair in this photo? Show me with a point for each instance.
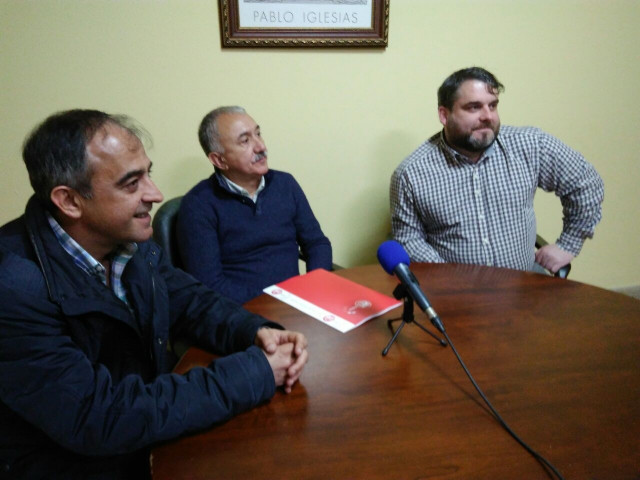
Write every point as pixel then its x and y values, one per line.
pixel 208 133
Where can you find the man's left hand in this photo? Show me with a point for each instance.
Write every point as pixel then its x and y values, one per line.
pixel 553 258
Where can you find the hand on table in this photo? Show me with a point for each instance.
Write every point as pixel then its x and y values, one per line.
pixel 286 352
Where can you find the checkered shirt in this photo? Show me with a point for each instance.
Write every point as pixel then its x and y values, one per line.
pixel 445 208
pixel 90 265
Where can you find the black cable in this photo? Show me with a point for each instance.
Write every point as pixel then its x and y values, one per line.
pixel 497 416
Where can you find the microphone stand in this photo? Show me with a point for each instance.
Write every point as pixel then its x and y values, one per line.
pixel 401 292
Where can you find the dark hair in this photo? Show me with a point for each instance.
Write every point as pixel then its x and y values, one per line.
pixel 448 91
pixel 55 152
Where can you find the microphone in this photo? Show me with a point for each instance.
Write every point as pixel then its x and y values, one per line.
pixel 395 260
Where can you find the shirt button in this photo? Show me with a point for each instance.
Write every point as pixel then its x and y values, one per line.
pixel 481 217
pixel 159 341
pixel 485 241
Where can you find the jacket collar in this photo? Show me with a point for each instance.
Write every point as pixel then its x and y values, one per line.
pixel 70 287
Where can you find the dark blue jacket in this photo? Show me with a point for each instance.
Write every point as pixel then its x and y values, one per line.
pixel 238 247
pixel 84 382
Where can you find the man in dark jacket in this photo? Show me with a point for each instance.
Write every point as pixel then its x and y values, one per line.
pixel 88 307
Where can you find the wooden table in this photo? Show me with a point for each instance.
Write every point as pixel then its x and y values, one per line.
pixel 560 361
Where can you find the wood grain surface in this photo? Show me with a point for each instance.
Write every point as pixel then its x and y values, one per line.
pixel 560 361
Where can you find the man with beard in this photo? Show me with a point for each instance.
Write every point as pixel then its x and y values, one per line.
pixel 240 230
pixel 466 194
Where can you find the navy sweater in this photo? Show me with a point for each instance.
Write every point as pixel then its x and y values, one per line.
pixel 238 247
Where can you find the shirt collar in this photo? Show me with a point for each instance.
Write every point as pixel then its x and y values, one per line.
pixel 83 259
pixel 235 188
pixel 462 158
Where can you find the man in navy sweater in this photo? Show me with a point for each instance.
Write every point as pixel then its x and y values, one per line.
pixel 241 229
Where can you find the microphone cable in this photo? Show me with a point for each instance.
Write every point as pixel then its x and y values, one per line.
pixel 392 255
pixel 498 417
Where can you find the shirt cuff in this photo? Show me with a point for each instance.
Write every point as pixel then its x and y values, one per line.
pixel 570 243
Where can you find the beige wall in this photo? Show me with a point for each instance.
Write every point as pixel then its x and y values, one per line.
pixel 339 120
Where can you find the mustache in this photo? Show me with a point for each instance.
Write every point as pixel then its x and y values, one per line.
pixel 259 156
pixel 144 210
pixel 485 124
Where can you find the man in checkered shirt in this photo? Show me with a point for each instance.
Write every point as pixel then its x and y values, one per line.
pixel 466 194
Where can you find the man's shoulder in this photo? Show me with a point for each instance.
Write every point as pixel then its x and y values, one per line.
pixel 14 236
pixel 530 136
pixel 279 176
pixel 430 148
pixel 20 275
pixel 279 183
pixel 18 268
pixel 203 187
pixel 527 139
pixel 508 132
pixel 429 151
pixel 202 195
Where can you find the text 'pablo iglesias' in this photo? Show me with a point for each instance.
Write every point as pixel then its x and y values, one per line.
pixel 311 17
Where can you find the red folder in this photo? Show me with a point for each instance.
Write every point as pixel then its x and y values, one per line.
pixel 334 300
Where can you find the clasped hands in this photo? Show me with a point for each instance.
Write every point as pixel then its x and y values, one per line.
pixel 286 352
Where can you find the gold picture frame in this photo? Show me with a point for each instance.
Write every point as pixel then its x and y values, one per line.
pixel 304 23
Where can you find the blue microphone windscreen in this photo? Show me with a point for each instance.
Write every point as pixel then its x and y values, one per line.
pixel 390 254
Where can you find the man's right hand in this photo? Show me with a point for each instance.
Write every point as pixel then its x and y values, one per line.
pixel 280 360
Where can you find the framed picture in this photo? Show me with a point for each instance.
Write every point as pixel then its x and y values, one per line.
pixel 304 23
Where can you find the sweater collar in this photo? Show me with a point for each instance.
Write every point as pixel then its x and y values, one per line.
pixel 220 181
pixel 235 188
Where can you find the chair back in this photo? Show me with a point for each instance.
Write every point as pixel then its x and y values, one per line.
pixel 164 229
